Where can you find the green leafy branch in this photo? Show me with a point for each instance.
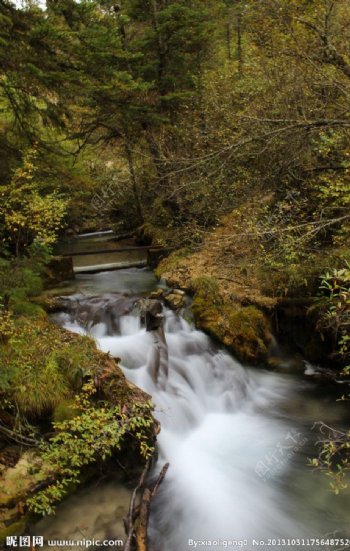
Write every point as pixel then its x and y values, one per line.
pixel 334 454
pixel 94 434
pixel 334 457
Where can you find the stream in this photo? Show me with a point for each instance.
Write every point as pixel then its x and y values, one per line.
pixel 237 438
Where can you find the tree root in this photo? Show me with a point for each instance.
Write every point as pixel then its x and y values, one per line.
pixel 17 437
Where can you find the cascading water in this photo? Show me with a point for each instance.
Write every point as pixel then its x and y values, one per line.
pixel 225 429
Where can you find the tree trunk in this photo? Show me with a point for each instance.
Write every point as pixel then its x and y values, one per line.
pixel 239 39
pixel 135 188
pixel 156 155
pixel 160 47
pixel 228 41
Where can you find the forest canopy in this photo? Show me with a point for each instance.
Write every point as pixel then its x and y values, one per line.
pixel 187 111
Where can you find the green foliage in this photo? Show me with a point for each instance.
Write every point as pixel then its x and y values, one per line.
pixel 65 410
pixel 7 327
pixel 42 365
pixel 334 456
pixel 203 104
pixel 335 288
pixel 19 281
pixel 176 40
pixel 26 214
pixel 94 435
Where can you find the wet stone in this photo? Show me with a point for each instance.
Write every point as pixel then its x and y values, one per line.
pixel 175 300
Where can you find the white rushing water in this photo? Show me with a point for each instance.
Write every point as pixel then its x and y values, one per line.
pixel 231 446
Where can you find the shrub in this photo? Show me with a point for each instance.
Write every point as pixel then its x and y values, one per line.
pixel 26 212
pixel 94 434
pixel 334 449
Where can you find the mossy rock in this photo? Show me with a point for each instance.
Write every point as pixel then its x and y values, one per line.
pixel 206 287
pixel 245 331
pixel 16 484
pixel 249 334
pixel 20 482
pixel 175 301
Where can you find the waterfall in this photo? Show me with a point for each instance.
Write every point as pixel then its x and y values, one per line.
pixel 217 424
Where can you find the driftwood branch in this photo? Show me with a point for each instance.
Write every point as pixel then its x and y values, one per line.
pixel 141 532
pixel 136 524
pixel 160 479
pixel 130 521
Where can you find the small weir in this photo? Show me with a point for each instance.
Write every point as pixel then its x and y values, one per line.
pixel 102 251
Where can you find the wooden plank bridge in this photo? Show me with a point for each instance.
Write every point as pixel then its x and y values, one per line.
pixel 119 250
pixel 151 256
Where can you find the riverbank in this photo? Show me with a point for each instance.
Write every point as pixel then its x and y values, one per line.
pixel 67 395
pixel 244 303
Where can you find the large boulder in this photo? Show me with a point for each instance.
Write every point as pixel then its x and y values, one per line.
pixel 244 330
